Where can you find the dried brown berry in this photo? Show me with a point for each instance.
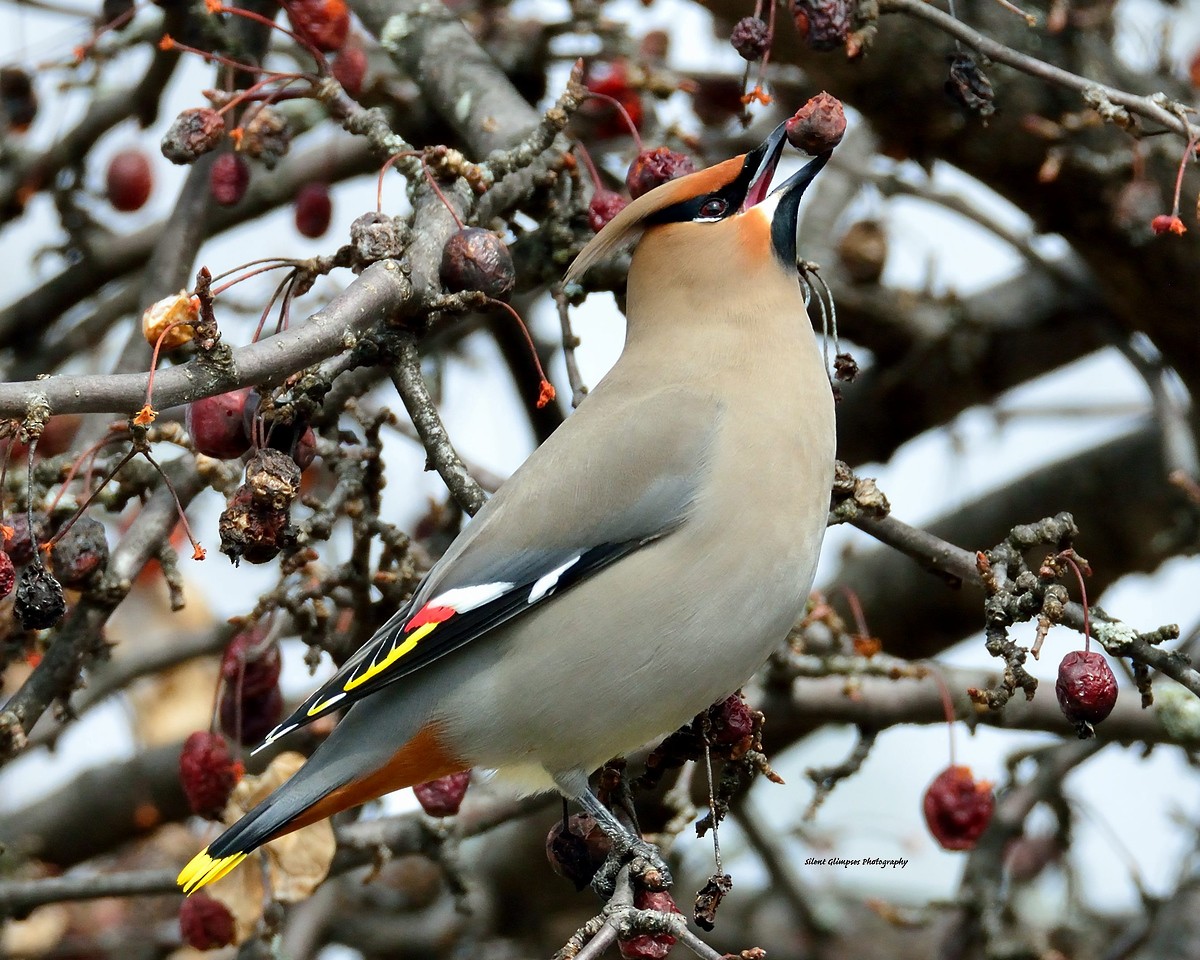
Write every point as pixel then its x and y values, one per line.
pixel 863 251
pixel 750 38
pixel 824 24
pixel 39 603
pixel 8 575
pixel 251 665
pixel 818 126
pixel 577 848
pixel 18 99
pixel 266 137
pixel 81 554
pixel 195 132
pixel 476 259
pixel 273 479
pixel 647 946
pixel 217 426
pixel 350 68
pixel 250 531
pixel 323 23
pixel 443 797
pixel 845 370
pixel 208 773
pixel 314 210
pixel 958 808
pixel 653 168
pixel 172 319
pixel 228 179
pixel 249 719
pixel 969 86
pixel 1086 688
pixel 129 180
pixel 605 205
pixel 205 923
pixel 21 547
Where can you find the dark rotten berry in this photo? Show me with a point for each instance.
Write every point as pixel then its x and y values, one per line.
pixel 604 205
pixel 476 259
pixel 653 168
pixel 81 554
pixel 577 848
pixel 208 773
pixel 443 797
pixel 39 603
pixel 818 126
pixel 250 531
pixel 195 132
pixel 1086 687
pixel 21 547
pixel 205 923
pixel 750 39
pixel 958 808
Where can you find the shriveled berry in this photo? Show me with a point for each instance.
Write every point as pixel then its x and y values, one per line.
pixel 818 126
pixel 1086 687
pixel 171 318
pixel 250 664
pixel 314 210
pixel 958 808
pixel 731 720
pixel 824 24
pixel 577 848
pixel 129 180
pixel 612 80
pixel 205 923
pixel 349 68
pixel 443 797
pixel 250 531
pixel 646 946
pixel 863 251
pixel 21 547
pixel 323 23
pixel 194 133
pixel 81 554
pixel 8 575
pixel 39 603
pixel 273 479
pixel 476 259
pixel 217 425
pixel 208 773
pixel 653 168
pixel 18 99
pixel 249 719
pixel 605 205
pixel 266 137
pixel 969 86
pixel 1167 224
pixel 228 179
pixel 750 38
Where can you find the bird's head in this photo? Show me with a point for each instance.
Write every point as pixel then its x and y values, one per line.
pixel 735 193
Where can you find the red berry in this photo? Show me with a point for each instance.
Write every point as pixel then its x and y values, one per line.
pixel 81 554
pixel 652 168
pixel 323 23
pixel 228 179
pixel 304 449
pixel 477 259
pixel 250 664
pixel 957 808
pixel 731 720
pixel 824 24
pixel 205 923
pixel 216 424
pixel 350 68
pixel 129 180
pixel 249 719
pixel 605 205
pixel 577 848
pixel 208 773
pixel 22 546
pixel 611 79
pixel 443 797
pixel 1086 687
pixel 1167 224
pixel 314 210
pixel 8 575
pixel 818 126
pixel 750 38
pixel 645 946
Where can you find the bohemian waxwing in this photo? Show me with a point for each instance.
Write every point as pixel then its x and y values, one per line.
pixel 639 566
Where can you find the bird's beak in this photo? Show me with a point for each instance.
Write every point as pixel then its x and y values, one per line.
pixel 763 160
pixel 797 183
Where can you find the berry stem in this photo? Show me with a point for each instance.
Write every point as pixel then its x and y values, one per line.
pixel 620 108
pixel 591 166
pixel 387 164
pixel 947 705
pixel 1183 162
pixel 546 388
pixel 198 552
pixel 860 620
pixel 1069 556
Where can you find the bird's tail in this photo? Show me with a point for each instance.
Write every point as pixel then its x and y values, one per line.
pixel 335 778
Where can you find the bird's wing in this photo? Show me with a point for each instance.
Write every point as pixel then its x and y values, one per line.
pixel 546 530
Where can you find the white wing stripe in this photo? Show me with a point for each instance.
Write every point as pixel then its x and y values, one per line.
pixel 462 599
pixel 547 583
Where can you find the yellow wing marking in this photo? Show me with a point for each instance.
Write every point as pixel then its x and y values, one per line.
pixel 413 639
pixel 203 869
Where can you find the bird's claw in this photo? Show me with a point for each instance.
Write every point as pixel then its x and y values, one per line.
pixel 645 862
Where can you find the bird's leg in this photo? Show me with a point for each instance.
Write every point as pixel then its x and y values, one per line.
pixel 627 847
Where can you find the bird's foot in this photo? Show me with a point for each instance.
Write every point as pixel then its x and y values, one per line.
pixel 645 862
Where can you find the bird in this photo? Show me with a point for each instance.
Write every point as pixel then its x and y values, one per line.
pixel 639 566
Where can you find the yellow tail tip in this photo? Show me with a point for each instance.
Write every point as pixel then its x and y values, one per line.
pixel 203 869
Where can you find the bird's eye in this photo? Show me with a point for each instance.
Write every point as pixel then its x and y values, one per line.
pixel 715 207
